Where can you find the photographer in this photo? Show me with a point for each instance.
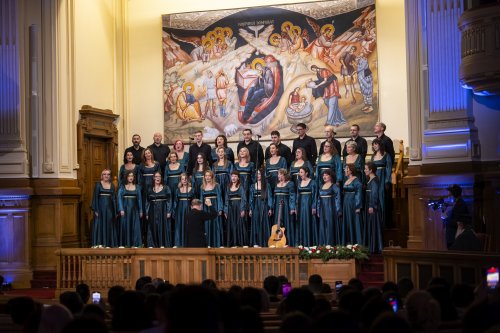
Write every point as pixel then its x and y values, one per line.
pixel 453 213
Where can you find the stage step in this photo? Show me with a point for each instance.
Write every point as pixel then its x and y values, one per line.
pixel 44 279
pixel 371 272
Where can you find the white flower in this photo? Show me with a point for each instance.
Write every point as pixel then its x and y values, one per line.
pixel 318 251
pixel 310 251
pixel 301 247
pixel 349 246
pixel 313 247
pixel 328 247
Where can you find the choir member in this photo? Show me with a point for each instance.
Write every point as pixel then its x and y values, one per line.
pixel 183 196
pixel 104 208
pixel 211 190
pixel 235 205
pixel 259 197
pixel 352 217
pixel 273 164
pixel 182 156
pixel 158 212
pixel 353 157
pixel 222 168
pixel 300 161
pixel 329 210
pixel 147 169
pixel 383 163
pixel 130 207
pixel 306 225
pixel 245 167
pixel 172 172
pixel 373 225
pixel 198 173
pixel 199 147
pixel 284 195
pixel 328 161
pixel 126 168
pixel 221 142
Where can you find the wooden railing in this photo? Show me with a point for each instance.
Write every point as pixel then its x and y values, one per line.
pixel 398 172
pixel 422 265
pixel 104 268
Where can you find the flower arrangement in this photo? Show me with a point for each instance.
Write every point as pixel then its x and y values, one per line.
pixel 327 252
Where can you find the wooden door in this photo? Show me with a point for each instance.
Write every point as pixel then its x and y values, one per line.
pixel 97 150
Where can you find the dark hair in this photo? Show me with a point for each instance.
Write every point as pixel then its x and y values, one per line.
pixel 304 126
pixel 125 176
pixel 237 173
pixel 455 190
pixel 205 164
pixel 143 280
pixel 223 137
pixel 272 285
pixel 84 291
pixel 355 125
pixel 248 130
pixel 352 168
pixel 72 301
pixel 306 170
pixel 275 133
pixel 277 150
pixel 372 167
pixel 329 172
pixel 380 145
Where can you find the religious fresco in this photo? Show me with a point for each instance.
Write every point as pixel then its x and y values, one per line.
pixel 269 68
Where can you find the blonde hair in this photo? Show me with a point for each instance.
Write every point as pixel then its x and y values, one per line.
pixel 214 181
pixel 103 171
pixel 248 154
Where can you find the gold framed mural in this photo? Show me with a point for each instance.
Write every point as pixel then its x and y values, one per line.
pixel 269 68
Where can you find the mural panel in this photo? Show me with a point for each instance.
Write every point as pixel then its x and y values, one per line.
pixel 269 68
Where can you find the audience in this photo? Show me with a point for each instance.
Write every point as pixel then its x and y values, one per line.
pixel 157 306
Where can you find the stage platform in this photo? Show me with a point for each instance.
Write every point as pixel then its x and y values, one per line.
pixel 104 268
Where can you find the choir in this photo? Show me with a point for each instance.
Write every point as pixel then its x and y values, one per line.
pixel 329 201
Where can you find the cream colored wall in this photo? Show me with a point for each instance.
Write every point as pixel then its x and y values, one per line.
pixel 95 54
pixel 145 65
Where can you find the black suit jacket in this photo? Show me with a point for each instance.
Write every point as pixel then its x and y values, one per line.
pixel 195 226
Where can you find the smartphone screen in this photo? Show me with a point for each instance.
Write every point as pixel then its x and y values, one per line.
pixel 338 286
pixel 393 302
pixel 96 297
pixel 492 277
pixel 285 289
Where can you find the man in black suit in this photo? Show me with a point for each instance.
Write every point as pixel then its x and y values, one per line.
pixel 195 223
pixel 458 210
pixel 306 142
pixel 330 136
pixel 283 149
pixel 362 146
pixel 199 147
pixel 379 130
pixel 136 149
pixel 160 151
pixel 254 148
